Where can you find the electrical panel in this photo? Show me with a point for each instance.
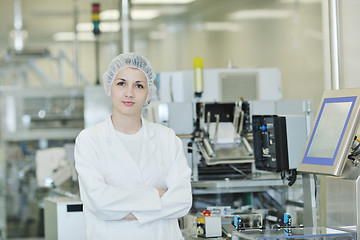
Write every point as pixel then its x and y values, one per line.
pixel 270 148
pixel 279 141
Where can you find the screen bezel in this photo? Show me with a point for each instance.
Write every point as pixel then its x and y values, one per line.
pixel 335 165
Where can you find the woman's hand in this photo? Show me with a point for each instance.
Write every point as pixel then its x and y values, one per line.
pixel 129 217
pixel 161 191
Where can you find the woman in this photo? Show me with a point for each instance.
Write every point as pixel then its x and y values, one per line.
pixel 133 175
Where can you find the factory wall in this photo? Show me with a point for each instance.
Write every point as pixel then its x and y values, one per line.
pixel 350 42
pixel 293 44
pixel 297 44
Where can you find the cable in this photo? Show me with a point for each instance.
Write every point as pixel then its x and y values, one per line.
pixel 292 177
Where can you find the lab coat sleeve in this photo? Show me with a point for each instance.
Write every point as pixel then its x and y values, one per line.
pixel 103 200
pixel 177 201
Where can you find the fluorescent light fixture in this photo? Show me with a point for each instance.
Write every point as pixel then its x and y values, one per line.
pixel 136 14
pixel 70 36
pixel 221 26
pixel 85 27
pixel 109 26
pixel 161 1
pixel 64 36
pixel 85 36
pixel 104 27
pixel 144 14
pixel 111 14
pixel 260 14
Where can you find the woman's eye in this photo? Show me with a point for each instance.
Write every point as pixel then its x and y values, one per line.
pixel 121 83
pixel 139 86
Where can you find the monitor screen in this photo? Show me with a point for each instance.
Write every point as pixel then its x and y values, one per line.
pixel 333 130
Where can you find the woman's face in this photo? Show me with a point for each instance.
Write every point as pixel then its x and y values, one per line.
pixel 129 91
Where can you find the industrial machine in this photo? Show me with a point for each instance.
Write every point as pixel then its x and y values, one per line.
pixel 224 172
pixel 217 138
pixel 64 219
pixel 279 142
pixel 219 134
pixel 38 128
pixel 220 85
pixel 294 233
pixel 228 134
pixel 332 150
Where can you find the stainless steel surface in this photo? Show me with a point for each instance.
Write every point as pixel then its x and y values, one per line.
pixel 242 114
pixel 291 233
pixel 348 136
pixel 20 67
pixel 247 146
pixel 310 214
pixel 296 131
pixel 343 200
pixel 217 116
pixel 208 148
pixel 2 192
pixel 32 118
pixel 239 186
pixel 208 117
pixel 335 37
pixel 34 113
pixel 236 121
pixel 225 153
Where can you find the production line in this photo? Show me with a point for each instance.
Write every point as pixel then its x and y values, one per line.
pixel 244 156
pixel 268 151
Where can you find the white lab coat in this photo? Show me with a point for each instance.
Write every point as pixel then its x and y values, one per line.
pixel 112 184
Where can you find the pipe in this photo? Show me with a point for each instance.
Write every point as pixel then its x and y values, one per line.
pixel 18 26
pixel 125 30
pixel 334 20
pixel 76 42
pixel 217 116
pixel 208 122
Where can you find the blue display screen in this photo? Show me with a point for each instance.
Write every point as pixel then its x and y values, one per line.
pixel 329 131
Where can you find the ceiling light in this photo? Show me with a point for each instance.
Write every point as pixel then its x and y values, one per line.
pixel 144 14
pixel 64 36
pixel 260 14
pixel 136 14
pixel 161 1
pixel 70 36
pixel 109 26
pixel 111 14
pixel 85 27
pixel 104 27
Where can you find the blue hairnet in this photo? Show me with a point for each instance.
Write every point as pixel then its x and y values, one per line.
pixel 132 60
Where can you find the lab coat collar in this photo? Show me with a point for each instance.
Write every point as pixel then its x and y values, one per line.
pixel 148 146
pixel 149 132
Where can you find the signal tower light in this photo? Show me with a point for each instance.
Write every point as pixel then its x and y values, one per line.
pixel 96 18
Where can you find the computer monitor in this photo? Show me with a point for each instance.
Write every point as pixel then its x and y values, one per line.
pixel 332 133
